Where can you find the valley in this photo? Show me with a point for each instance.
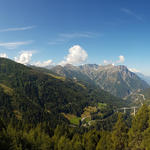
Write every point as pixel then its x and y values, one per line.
pixel 74 75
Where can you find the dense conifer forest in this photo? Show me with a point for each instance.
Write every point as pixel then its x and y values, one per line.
pixel 126 134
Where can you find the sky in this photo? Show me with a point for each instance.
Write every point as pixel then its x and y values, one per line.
pixel 57 32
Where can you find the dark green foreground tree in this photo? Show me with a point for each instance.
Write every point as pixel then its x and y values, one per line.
pixel 123 136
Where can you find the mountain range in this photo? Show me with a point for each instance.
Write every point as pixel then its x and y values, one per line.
pixel 117 80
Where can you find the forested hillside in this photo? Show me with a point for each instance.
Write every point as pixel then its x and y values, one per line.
pixel 42 111
pixel 124 135
pixel 33 96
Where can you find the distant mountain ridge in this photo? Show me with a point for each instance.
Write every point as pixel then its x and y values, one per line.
pixel 117 80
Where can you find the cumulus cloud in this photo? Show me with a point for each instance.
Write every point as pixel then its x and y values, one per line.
pixel 44 63
pixel 4 55
pixel 77 55
pixel 106 62
pixel 24 57
pixel 13 45
pixel 121 59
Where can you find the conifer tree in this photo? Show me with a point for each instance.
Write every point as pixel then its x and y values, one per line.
pixel 119 134
pixel 139 125
pixel 105 142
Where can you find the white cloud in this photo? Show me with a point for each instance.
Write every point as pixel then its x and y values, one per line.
pixel 106 62
pixel 13 45
pixel 131 13
pixel 24 57
pixel 77 35
pixel 4 55
pixel 65 37
pixel 121 59
pixel 44 63
pixel 57 41
pixel 77 55
pixel 17 29
pixel 134 70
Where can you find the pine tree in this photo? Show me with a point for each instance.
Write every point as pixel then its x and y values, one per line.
pixel 105 142
pixel 139 125
pixel 119 134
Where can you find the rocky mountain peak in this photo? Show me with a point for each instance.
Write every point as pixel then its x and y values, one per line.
pixel 117 80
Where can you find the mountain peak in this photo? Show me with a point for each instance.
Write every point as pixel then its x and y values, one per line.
pixel 122 67
pixel 117 80
pixel 89 66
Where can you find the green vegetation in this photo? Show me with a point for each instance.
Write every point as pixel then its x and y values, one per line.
pixel 75 120
pixel 72 118
pixel 87 119
pixel 39 111
pixel 6 89
pixel 102 105
pixel 57 77
pixel 124 135
pixel 35 96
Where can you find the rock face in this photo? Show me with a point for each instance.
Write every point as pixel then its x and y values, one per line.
pixel 117 80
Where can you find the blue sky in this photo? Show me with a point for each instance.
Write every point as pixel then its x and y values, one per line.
pixel 43 32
